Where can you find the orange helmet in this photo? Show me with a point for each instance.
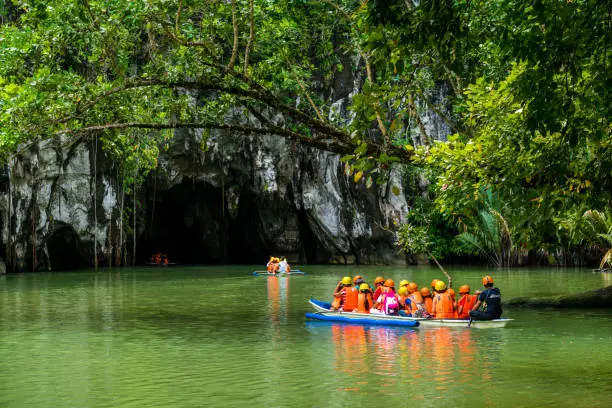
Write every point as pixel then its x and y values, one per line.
pixel 412 287
pixel 451 292
pixel 379 279
pixel 433 283
pixel 487 280
pixel 358 279
pixel 464 289
pixel 389 283
pixel 425 292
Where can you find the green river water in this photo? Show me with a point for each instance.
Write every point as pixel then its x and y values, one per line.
pixel 221 337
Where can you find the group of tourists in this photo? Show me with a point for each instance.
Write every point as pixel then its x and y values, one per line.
pixel 278 265
pixel 437 301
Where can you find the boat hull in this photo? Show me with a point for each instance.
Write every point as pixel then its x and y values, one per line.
pixel 266 273
pixel 323 308
pixel 362 318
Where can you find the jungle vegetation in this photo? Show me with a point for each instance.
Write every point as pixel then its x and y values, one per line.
pixel 525 175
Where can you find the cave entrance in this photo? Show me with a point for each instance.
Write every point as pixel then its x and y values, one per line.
pixel 66 250
pixel 191 227
pixel 187 225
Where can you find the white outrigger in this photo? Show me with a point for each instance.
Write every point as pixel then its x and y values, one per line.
pixel 322 309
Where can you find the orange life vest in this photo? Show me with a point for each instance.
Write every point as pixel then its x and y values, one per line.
pixel 379 291
pixel 444 306
pixel 468 302
pixel 428 304
pixel 336 302
pixel 350 301
pixel 416 299
pixel 362 299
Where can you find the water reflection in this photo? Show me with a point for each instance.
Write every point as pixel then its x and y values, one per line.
pixel 278 303
pixel 434 359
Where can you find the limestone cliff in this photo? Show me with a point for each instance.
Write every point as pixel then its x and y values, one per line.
pixel 239 200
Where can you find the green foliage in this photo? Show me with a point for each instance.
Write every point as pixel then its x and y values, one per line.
pixel 413 239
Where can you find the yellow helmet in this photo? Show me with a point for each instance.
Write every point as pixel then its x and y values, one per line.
pixel 347 280
pixel 364 286
pixel 440 286
pixel 403 291
pixel 404 283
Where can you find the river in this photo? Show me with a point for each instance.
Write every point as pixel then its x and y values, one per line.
pixel 221 337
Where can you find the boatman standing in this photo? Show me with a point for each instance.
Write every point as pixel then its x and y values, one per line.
pixel 488 306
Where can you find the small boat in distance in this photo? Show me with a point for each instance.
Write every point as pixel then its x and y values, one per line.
pixel 266 273
pixel 159 259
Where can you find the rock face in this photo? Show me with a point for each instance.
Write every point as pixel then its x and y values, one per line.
pixel 241 200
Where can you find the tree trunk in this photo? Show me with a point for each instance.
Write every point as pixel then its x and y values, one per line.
pixel 134 230
pixel 95 181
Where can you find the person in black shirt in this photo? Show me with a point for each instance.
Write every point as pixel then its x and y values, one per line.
pixel 488 306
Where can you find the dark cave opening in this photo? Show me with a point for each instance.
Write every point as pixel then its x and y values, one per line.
pixel 191 226
pixel 66 250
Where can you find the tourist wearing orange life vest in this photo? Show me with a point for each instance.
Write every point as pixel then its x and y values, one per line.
pixel 488 305
pixel 433 287
pixel 427 300
pixel 351 298
pixel 345 296
pixel 337 302
pixel 388 302
pixel 364 300
pixel 404 301
pixel 273 265
pixel 443 305
pixel 378 287
pixel 417 301
pixel 466 302
pixel 451 292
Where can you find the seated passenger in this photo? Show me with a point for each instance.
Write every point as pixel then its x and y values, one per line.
pixel 378 287
pixel 488 306
pixel 283 265
pixel 443 305
pixel 404 301
pixel 342 293
pixel 417 302
pixel 466 302
pixel 388 302
pixel 427 300
pixel 364 300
